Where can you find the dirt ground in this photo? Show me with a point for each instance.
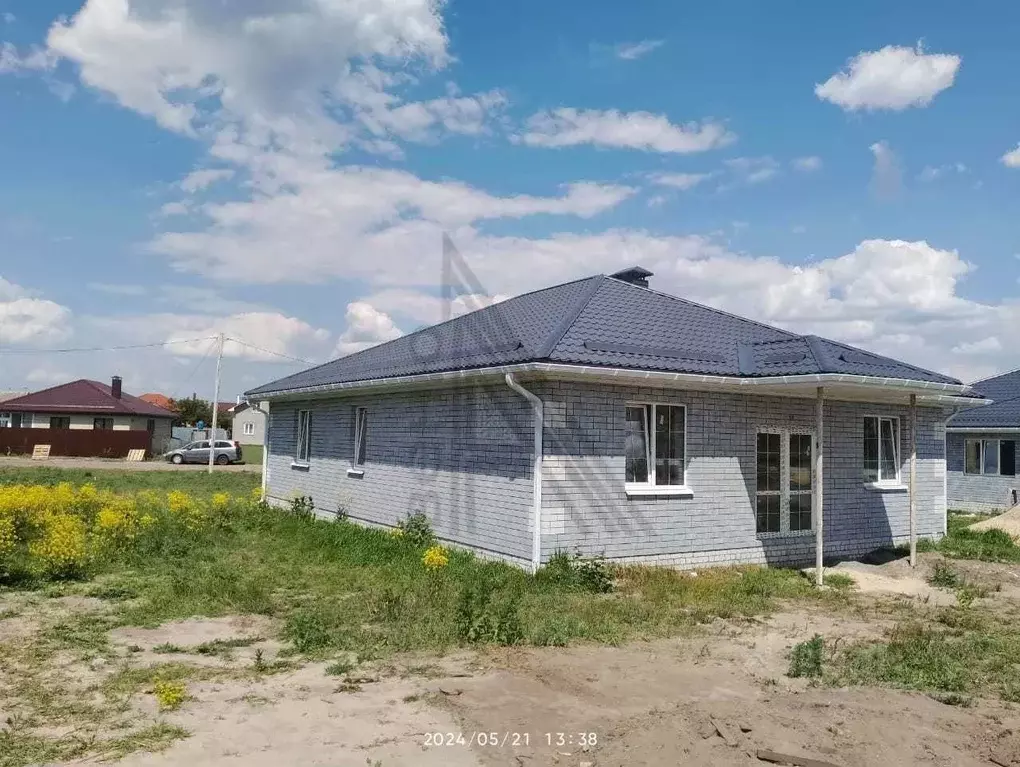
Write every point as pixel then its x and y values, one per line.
pixel 93 464
pixel 714 697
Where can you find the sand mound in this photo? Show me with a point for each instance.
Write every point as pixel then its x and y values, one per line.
pixel 1008 523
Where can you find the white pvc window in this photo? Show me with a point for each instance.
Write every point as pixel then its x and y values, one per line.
pixel 881 449
pixel 249 429
pixel 304 436
pixel 360 436
pixel 990 456
pixel 783 482
pixel 655 445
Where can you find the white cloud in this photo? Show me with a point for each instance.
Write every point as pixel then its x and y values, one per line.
pixel 622 130
pixel 751 170
pixel 933 172
pixel 28 319
pixel 631 51
pixel 657 200
pixel 174 209
pixel 1012 159
pixel 203 178
pixel 36 60
pixel 807 164
pixel 9 18
pixel 987 345
pixel 366 326
pixel 886 175
pixel 383 114
pixel 894 78
pixel 115 289
pixel 272 331
pixel 679 180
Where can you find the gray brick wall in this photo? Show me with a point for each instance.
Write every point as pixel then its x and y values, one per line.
pixel 978 492
pixel 463 456
pixel 586 508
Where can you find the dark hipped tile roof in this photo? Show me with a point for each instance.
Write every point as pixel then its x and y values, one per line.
pixel 84 396
pixel 604 321
pixel 1003 413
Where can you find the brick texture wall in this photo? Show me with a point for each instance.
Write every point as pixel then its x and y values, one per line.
pixel 464 458
pixel 978 492
pixel 461 456
pixel 586 508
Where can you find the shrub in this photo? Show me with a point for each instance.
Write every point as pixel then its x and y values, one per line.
pixel 806 658
pixel 944 576
pixel 480 619
pixel 417 529
pixel 591 574
pixel 62 548
pixel 303 507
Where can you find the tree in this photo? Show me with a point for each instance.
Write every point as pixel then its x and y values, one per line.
pixel 192 410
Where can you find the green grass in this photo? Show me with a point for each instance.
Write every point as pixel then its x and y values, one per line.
pixel 121 481
pixel 967 653
pixel 963 543
pixel 806 658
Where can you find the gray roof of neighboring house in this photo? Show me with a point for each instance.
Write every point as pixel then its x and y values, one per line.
pixel 1003 413
pixel 604 321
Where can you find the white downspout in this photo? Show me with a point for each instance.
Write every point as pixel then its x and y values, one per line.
pixel 536 403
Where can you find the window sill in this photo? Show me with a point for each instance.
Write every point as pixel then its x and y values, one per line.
pixel 673 491
pixel 355 472
pixel 787 534
pixel 300 466
pixel 886 487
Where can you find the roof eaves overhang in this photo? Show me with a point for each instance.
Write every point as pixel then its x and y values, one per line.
pixel 986 429
pixel 928 392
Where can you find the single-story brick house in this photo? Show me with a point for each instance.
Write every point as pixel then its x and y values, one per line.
pixel 604 417
pixel 86 406
pixel 981 449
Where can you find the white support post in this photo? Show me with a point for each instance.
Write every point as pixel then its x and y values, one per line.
pixel 216 402
pixel 913 480
pixel 819 499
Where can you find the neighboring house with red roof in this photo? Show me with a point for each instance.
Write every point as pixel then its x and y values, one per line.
pixel 88 405
pixel 159 400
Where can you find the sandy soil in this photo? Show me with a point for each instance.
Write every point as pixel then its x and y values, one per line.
pixel 1008 522
pixel 711 698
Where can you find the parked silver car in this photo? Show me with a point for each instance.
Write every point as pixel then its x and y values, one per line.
pixel 198 452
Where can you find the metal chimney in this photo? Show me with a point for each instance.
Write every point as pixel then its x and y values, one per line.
pixel 116 387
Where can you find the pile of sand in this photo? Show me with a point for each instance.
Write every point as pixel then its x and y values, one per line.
pixel 1008 522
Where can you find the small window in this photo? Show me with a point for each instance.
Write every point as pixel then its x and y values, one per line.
pixel 102 424
pixel 60 422
pixel 360 436
pixel 304 436
pixel 5 420
pixel 249 429
pixel 17 420
pixel 990 456
pixel 654 445
pixel 881 449
pixel 224 443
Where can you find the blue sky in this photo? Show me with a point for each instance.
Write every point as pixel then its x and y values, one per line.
pixel 840 169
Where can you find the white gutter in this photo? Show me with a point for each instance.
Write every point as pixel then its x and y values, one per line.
pixel 986 429
pixel 625 374
pixel 536 403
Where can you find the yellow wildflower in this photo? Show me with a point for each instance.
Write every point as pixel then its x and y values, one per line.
pixel 221 501
pixel 169 694
pixel 397 532
pixel 62 546
pixel 7 534
pixel 435 558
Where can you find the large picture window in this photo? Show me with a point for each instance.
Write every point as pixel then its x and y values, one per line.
pixel 655 449
pixel 990 456
pixel 304 436
pixel 784 482
pixel 881 449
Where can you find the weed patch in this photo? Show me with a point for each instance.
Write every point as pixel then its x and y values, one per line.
pixel 806 658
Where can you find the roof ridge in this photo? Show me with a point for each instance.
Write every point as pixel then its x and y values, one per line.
pixel 992 378
pixel 709 308
pixel 43 391
pixel 561 330
pixel 895 361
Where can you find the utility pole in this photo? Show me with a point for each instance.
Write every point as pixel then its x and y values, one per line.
pixel 216 402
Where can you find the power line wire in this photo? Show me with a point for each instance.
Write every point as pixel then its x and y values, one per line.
pixel 269 351
pixel 104 348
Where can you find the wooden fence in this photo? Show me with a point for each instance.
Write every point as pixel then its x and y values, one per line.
pixel 76 443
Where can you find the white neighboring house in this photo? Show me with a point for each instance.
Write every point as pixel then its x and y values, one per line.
pixel 249 424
